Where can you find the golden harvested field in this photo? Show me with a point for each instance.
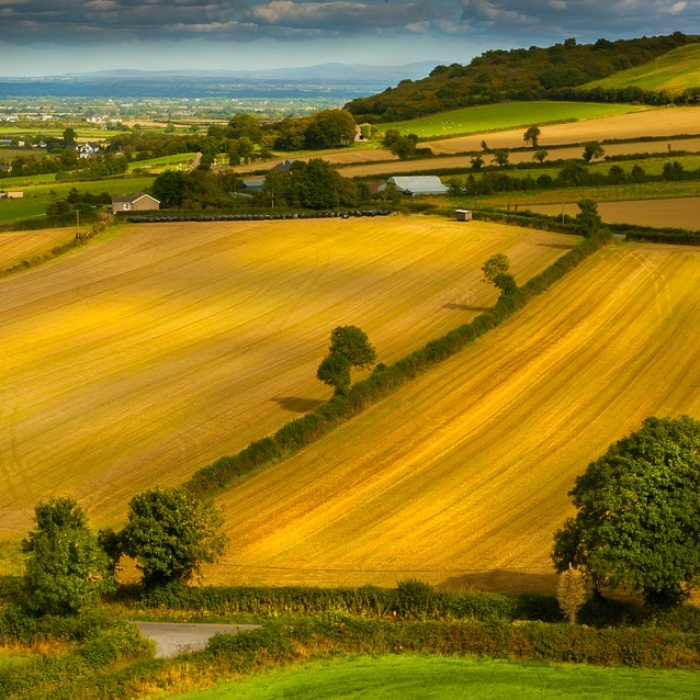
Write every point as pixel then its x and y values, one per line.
pixel 669 121
pixel 461 477
pixel 16 246
pixel 678 213
pixel 137 360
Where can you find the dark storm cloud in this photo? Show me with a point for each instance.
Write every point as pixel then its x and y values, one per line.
pixel 25 21
pixel 583 18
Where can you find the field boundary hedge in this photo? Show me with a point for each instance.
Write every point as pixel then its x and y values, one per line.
pixel 293 436
pixel 291 640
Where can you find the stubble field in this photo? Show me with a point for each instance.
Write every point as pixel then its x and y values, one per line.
pixel 461 477
pixel 140 358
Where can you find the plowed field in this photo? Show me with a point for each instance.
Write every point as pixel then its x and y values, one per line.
pixel 136 360
pixel 16 246
pixel 461 477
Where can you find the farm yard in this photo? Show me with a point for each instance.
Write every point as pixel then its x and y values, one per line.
pixel 461 477
pixel 142 357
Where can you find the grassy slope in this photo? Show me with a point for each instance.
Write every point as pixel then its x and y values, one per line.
pixel 509 115
pixel 464 473
pixel 133 362
pixel 432 678
pixel 674 72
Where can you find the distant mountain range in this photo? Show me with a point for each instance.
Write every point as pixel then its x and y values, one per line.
pixel 325 71
pixel 336 82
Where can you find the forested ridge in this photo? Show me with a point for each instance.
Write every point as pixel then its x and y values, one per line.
pixel 536 73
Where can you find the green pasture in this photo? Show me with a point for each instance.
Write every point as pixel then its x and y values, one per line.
pixel 674 72
pixel 38 192
pixel 44 129
pixel 163 163
pixel 507 115
pixel 435 678
pixel 19 209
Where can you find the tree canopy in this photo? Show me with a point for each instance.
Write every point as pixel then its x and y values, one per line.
pixel 588 219
pixel 170 534
pixel 638 520
pixel 66 569
pixel 350 347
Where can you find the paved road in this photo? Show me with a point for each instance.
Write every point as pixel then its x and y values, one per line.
pixel 173 638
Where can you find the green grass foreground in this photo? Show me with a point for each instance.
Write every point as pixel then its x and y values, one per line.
pixel 507 115
pixel 428 678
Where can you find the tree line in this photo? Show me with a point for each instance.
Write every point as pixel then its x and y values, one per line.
pixel 524 74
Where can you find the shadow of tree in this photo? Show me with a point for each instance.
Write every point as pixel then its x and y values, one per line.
pixel 503 581
pixel 558 246
pixel 466 307
pixel 296 404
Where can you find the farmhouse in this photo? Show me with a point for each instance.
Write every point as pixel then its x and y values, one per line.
pixel 463 215
pixel 88 150
pixel 134 202
pixel 412 185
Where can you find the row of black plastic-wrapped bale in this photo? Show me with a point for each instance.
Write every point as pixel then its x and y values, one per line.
pixel 260 217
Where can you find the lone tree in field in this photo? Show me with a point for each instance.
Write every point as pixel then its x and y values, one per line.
pixel 66 569
pixel 532 136
pixel 588 219
pixel 592 150
pixel 170 534
pixel 638 520
pixel 495 271
pixel 350 347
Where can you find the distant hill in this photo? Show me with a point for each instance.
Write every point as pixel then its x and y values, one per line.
pixel 673 72
pixel 326 71
pixel 558 72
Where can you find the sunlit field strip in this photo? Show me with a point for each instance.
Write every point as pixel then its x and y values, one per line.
pixel 461 477
pixel 659 213
pixel 669 121
pixel 137 360
pixel 506 115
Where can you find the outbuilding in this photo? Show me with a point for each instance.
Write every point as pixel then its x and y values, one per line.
pixel 413 185
pixel 463 214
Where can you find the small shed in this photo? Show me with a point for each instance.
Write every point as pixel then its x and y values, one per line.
pixel 134 202
pixel 463 214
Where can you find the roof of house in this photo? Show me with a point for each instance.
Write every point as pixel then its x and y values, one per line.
pixel 131 198
pixel 419 184
pixel 284 165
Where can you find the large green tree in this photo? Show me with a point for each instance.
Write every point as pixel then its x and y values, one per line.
pixel 588 219
pixel 170 534
pixel 638 520
pixel 350 347
pixel 330 128
pixel 495 270
pixel 66 569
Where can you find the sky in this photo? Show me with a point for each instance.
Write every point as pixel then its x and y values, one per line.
pixel 46 37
